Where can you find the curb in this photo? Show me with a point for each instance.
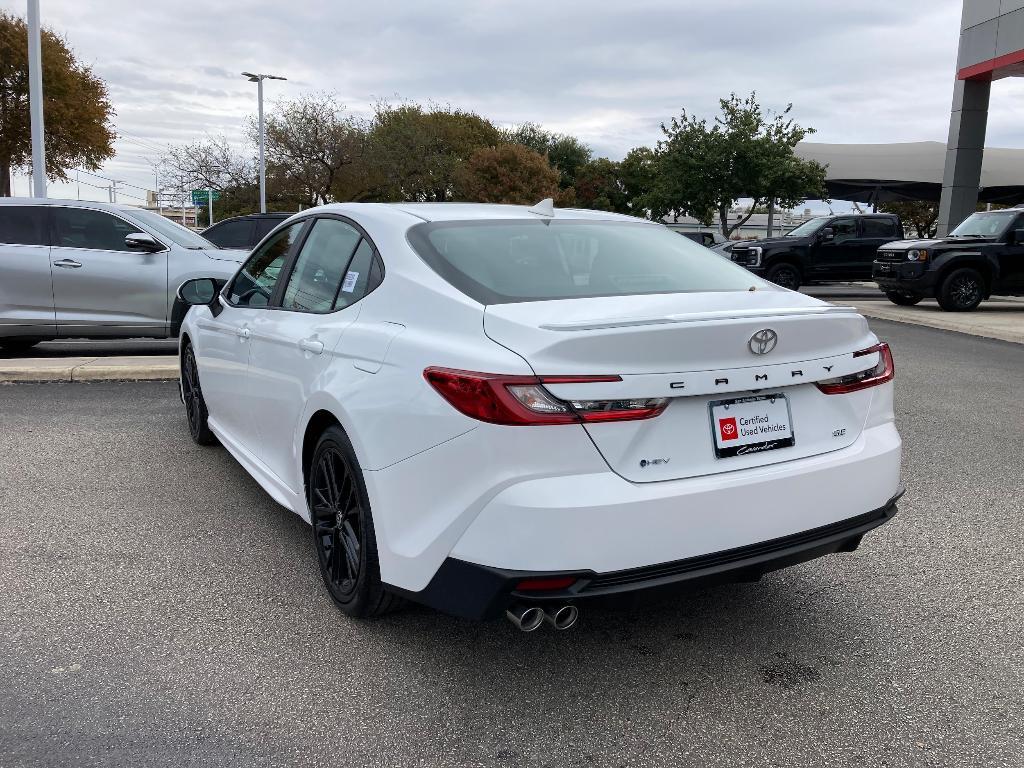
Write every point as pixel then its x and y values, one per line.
pixel 74 369
pixel 966 323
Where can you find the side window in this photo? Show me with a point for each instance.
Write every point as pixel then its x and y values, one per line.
pixel 317 276
pixel 83 228
pixel 878 227
pixel 357 276
pixel 255 282
pixel 263 227
pixel 23 225
pixel 845 229
pixel 231 234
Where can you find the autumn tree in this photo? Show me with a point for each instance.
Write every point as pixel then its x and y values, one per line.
pixel 509 173
pixel 316 152
pixel 567 154
pixel 702 169
pixel 76 107
pixel 416 153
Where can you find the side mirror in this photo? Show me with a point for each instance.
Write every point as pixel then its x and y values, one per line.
pixel 199 291
pixel 1018 236
pixel 828 234
pixel 140 241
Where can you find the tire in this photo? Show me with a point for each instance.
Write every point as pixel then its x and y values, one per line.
pixel 18 346
pixel 902 298
pixel 962 290
pixel 195 405
pixel 785 275
pixel 343 534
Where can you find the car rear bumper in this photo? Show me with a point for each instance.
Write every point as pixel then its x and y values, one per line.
pixel 476 591
pixel 623 536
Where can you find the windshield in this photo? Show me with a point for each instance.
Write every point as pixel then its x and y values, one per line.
pixel 809 227
pixel 497 262
pixel 988 224
pixel 172 230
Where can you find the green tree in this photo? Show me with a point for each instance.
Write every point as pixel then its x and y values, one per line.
pixel 566 153
pixel 508 173
pixel 76 107
pixel 702 169
pixel 414 154
pixel 920 214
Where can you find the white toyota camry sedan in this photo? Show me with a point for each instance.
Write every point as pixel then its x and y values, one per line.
pixel 506 410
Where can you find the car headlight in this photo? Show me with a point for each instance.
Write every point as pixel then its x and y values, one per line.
pixel 917 254
pixel 754 260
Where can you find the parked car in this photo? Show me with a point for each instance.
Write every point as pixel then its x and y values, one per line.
pixel 823 248
pixel 72 268
pixel 243 231
pixel 495 409
pixel 981 257
pixel 707 239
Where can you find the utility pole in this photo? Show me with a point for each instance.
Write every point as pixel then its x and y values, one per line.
pixel 258 79
pixel 35 91
pixel 209 202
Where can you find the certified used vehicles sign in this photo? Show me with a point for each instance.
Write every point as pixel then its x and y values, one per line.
pixel 751 425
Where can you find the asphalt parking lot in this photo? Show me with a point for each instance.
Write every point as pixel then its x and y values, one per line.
pixel 157 608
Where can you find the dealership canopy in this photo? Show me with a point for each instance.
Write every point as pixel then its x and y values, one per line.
pixel 875 173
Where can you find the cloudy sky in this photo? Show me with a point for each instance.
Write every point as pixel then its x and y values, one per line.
pixel 610 73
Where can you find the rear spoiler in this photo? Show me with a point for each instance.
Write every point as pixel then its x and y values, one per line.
pixel 696 317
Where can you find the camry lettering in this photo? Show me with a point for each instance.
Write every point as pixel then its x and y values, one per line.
pixel 721 381
pixel 760 377
pixel 797 373
pixel 678 385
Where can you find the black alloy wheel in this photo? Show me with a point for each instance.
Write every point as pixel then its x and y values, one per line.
pixel 785 275
pixel 343 529
pixel 962 290
pixel 195 405
pixel 903 298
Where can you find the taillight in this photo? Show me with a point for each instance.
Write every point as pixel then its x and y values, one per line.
pixel 524 401
pixel 546 584
pixel 872 377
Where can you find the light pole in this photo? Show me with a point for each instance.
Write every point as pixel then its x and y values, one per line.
pixel 258 79
pixel 35 96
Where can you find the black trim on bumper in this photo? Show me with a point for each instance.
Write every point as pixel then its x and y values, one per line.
pixel 481 592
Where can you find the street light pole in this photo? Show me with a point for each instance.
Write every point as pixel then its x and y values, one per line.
pixel 258 79
pixel 35 91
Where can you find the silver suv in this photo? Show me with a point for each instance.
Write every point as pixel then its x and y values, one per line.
pixel 82 269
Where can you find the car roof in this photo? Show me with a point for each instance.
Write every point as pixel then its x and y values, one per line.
pixel 93 204
pixel 470 211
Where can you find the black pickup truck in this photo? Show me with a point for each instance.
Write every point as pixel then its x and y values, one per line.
pixel 823 248
pixel 981 257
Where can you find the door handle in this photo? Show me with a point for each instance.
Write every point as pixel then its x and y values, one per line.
pixel 245 333
pixel 311 345
pixel 67 263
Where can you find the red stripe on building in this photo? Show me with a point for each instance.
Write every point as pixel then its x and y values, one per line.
pixel 993 69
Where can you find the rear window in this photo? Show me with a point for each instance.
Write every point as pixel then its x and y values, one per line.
pixel 499 262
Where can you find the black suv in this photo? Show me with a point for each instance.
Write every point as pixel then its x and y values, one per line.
pixel 982 256
pixel 823 248
pixel 243 231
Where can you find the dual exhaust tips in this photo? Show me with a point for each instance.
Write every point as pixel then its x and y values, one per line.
pixel 529 617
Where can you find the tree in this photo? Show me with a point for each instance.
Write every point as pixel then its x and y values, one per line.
pixel 315 151
pixel 415 154
pixel 509 173
pixel 76 107
pixel 702 170
pixel 599 186
pixel 566 153
pixel 922 215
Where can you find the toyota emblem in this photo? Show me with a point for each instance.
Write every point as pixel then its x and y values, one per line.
pixel 763 342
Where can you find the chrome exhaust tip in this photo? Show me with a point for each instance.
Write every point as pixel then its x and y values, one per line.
pixel 526 617
pixel 563 617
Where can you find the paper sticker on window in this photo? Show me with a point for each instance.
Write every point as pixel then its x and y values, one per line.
pixel 350 282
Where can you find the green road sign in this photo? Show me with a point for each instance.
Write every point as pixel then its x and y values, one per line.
pixel 199 196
